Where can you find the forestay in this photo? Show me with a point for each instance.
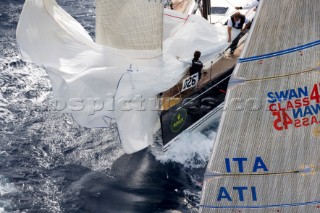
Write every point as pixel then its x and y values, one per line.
pixel 120 76
pixel 266 156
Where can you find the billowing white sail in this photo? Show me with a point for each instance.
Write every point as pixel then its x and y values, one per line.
pixel 266 157
pixel 120 77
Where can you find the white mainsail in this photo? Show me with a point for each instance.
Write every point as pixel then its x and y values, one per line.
pixel 266 156
pixel 134 25
pixel 119 77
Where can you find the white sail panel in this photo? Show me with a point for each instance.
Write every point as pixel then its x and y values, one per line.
pixel 129 24
pixel 295 192
pixel 276 120
pixel 268 137
pixel 285 40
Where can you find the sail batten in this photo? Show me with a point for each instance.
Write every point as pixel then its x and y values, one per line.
pixel 266 152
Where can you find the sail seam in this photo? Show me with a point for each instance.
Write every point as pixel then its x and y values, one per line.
pixel 317 68
pixel 279 53
pixel 248 174
pixel 259 207
pixel 176 17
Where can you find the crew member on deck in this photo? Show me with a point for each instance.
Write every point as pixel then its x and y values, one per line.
pixel 237 21
pixel 197 65
pixel 254 3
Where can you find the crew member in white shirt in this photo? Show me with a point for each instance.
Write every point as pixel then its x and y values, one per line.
pixel 237 21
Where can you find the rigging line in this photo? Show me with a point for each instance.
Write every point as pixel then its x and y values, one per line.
pixel 284 75
pixel 233 4
pixel 185 21
pixel 249 12
pixel 218 175
pixel 203 92
pixel 281 52
pixel 243 39
pixel 176 17
pixel 230 3
pixel 260 207
pixel 308 170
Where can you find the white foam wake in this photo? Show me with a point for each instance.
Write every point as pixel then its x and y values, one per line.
pixel 191 149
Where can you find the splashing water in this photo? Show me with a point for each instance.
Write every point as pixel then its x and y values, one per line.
pixel 7 189
pixel 191 149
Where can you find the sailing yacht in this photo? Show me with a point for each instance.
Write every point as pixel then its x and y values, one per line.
pixel 117 77
pixel 191 105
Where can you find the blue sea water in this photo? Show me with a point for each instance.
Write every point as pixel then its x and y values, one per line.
pixel 50 164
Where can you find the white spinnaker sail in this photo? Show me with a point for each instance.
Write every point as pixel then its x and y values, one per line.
pixel 266 156
pixel 96 83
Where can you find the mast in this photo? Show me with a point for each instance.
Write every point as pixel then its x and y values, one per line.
pixel 206 5
pixel 266 156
